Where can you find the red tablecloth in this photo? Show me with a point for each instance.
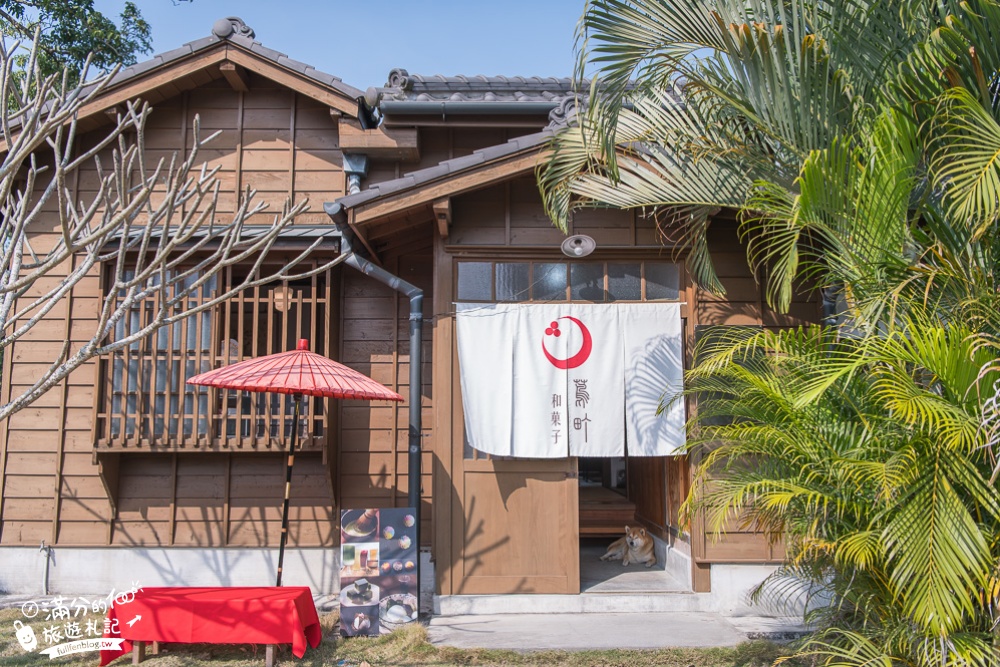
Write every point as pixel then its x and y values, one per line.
pixel 237 615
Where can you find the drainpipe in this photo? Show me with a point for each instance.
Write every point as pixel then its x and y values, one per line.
pixel 47 552
pixel 416 297
pixel 356 168
pixel 829 306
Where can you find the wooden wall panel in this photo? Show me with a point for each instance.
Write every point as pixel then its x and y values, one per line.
pixel 480 217
pixel 375 330
pixel 510 214
pixel 316 162
pixel 648 475
pixel 270 138
pixel 192 502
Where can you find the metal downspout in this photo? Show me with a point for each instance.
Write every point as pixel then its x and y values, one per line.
pixel 416 297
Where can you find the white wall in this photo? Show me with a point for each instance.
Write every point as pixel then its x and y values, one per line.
pixel 96 570
pixel 84 571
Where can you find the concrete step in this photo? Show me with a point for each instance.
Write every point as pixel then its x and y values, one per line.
pixel 585 603
pixel 576 632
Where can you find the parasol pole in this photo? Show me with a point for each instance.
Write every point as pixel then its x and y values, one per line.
pixel 288 486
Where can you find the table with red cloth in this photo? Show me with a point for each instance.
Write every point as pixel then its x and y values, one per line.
pixel 225 615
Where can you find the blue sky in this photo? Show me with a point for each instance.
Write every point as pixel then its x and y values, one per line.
pixel 361 41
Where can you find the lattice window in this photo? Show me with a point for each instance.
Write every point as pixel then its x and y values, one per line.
pixel 145 403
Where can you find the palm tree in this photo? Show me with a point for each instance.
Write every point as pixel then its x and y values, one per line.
pixel 759 106
pixel 867 458
pixel 860 143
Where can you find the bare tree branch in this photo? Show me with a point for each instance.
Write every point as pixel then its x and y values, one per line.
pixel 152 229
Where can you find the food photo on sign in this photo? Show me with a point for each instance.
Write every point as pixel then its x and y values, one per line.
pixel 378 573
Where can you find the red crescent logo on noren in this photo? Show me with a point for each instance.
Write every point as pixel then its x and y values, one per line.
pixel 578 358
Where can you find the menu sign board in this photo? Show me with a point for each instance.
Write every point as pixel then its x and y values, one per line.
pixel 378 570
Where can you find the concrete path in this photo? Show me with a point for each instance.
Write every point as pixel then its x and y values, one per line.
pixel 582 631
pixel 576 632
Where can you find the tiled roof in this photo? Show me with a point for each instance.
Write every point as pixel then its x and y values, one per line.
pixel 438 88
pixel 447 168
pixel 234 30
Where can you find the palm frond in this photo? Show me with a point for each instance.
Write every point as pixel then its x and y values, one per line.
pixel 966 158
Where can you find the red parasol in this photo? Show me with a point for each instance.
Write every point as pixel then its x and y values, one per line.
pixel 298 372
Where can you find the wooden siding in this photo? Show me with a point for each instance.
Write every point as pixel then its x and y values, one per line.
pixel 373 448
pixel 510 215
pixel 437 144
pixel 210 500
pixel 280 143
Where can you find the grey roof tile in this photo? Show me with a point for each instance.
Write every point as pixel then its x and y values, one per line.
pixel 292 64
pixel 494 152
pixel 265 51
pixel 146 65
pixel 437 171
pixel 200 43
pixel 530 140
pixel 402 85
pixel 136 69
pixel 466 161
pixel 398 184
pixel 242 41
pixel 320 76
pixel 174 54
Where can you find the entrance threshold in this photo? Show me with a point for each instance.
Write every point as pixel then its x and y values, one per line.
pixel 605 588
pixel 598 576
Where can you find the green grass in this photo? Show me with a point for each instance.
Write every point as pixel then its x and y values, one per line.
pixel 404 648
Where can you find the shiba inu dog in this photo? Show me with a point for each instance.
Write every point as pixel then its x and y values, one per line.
pixel 635 547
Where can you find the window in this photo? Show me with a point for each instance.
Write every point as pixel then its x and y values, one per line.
pixel 595 282
pixel 145 403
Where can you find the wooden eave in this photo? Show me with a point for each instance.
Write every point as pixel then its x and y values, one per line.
pixel 176 70
pixel 423 196
pixel 293 80
pixel 382 143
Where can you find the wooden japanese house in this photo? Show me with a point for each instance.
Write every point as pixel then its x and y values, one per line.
pixel 125 481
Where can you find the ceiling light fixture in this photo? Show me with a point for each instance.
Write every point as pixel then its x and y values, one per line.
pixel 579 245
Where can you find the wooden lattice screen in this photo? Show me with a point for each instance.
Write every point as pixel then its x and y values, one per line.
pixel 144 402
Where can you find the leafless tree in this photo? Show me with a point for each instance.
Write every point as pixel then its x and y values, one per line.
pixel 153 228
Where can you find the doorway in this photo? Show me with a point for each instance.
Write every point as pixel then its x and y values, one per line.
pixel 615 492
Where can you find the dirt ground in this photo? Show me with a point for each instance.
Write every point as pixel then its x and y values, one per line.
pixel 403 648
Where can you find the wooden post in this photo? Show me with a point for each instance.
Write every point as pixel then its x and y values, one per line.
pixel 269 656
pixel 138 652
pixel 288 488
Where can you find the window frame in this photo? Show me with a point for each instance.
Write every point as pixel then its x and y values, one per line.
pixel 568 291
pixel 203 419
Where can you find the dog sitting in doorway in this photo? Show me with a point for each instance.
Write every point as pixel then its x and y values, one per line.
pixel 635 547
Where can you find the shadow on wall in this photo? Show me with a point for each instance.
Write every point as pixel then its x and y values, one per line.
pixel 205 519
pixel 652 378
